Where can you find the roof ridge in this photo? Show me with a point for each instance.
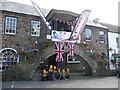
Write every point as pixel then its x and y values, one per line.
pixel 17 7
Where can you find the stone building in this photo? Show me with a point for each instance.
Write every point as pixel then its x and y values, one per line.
pixel 24 41
pixel 17 26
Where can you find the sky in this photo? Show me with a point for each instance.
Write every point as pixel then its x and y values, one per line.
pixel 105 10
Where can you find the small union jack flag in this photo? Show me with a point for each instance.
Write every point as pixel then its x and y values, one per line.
pixel 59 49
pixel 71 49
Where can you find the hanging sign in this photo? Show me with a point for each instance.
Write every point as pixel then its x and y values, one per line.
pixel 73 60
pixel 62 36
pixel 74 36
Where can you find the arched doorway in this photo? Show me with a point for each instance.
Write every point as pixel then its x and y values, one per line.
pixel 51 60
pixel 87 66
pixel 81 67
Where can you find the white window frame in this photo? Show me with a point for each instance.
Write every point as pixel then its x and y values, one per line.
pixel 35 27
pixel 86 35
pixel 12 53
pixel 103 36
pixel 10 25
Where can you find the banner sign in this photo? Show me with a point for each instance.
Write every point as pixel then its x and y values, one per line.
pixel 74 36
pixel 62 36
pixel 73 60
pixel 80 25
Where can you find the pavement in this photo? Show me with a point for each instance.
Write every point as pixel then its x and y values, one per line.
pixel 74 82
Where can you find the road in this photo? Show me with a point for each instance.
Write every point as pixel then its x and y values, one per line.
pixel 79 82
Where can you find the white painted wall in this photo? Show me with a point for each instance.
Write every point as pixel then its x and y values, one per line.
pixel 112 44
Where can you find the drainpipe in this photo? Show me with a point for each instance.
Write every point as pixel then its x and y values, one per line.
pixel 108 47
pixel 119 42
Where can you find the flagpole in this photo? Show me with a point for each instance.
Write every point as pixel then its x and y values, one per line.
pixel 42 16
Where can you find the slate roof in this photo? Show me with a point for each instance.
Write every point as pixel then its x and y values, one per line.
pixel 91 23
pixel 112 28
pixel 6 5
pixel 20 8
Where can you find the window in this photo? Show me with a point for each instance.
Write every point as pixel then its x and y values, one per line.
pixel 101 36
pixel 88 34
pixel 35 28
pixel 8 57
pixel 10 25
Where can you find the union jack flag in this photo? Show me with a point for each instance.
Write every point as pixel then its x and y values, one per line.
pixel 59 49
pixel 71 49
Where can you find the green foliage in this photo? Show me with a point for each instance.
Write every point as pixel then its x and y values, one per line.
pixel 83 44
pixel 113 61
pixel 105 61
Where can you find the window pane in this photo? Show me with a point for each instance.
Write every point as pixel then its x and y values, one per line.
pixel 88 34
pixel 13 31
pixel 101 33
pixel 35 28
pixel 101 36
pixel 8 19
pixel 10 25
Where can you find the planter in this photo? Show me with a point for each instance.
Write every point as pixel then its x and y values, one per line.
pixel 113 61
pixel 83 44
pixel 105 61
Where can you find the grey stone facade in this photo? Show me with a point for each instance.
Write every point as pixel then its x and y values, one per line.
pixel 1 28
pixel 22 40
pixel 95 44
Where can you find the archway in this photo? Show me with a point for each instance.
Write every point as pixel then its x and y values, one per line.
pixel 88 65
pixel 51 60
pixel 82 68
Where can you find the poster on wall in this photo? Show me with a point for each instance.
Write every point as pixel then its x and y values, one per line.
pixel 62 36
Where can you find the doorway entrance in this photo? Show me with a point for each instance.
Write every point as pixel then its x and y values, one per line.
pixel 78 65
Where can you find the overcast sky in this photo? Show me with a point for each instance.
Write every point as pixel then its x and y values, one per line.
pixel 106 10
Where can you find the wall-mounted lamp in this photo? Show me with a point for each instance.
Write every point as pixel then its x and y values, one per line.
pixel 110 49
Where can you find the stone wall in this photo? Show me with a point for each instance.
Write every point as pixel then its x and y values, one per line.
pixel 1 29
pixel 0 43
pixel 22 39
pixel 25 70
pixel 94 44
